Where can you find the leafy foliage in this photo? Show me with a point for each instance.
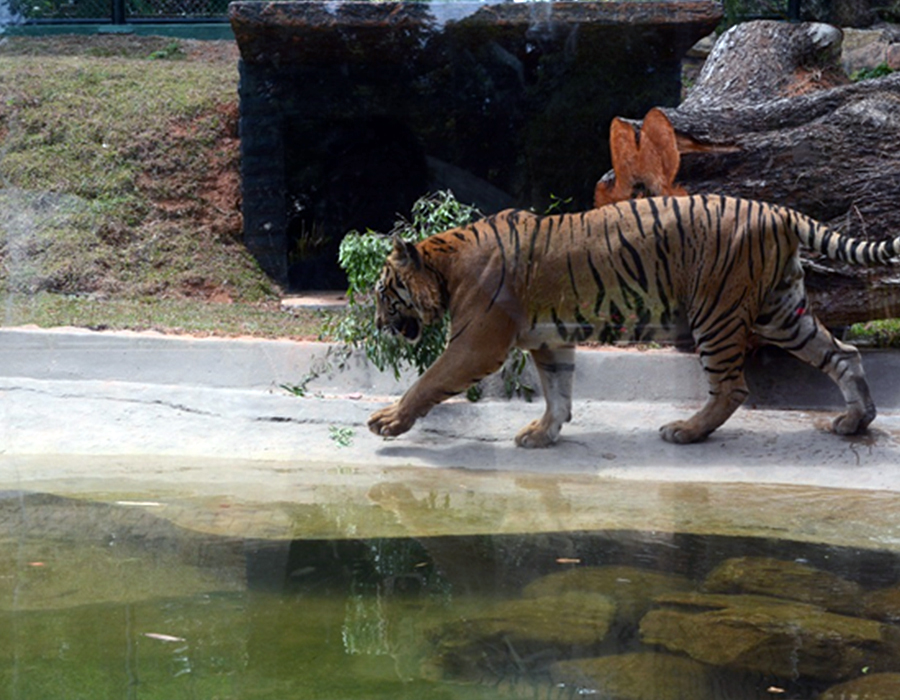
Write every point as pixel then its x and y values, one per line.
pixel 889 13
pixel 362 257
pixel 342 436
pixel 876 334
pixel 879 71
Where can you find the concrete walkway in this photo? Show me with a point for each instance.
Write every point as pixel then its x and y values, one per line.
pixel 144 417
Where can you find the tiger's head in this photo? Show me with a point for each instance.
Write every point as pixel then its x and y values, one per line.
pixel 408 294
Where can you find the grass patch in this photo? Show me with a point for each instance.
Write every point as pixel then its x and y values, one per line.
pixel 879 71
pixel 266 319
pixel 92 127
pixel 120 187
pixel 876 334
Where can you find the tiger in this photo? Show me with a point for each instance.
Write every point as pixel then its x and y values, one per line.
pixel 726 269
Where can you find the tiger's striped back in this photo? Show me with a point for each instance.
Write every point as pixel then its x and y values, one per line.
pixel 640 268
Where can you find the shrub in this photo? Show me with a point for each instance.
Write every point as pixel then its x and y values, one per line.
pixel 879 71
pixel 362 257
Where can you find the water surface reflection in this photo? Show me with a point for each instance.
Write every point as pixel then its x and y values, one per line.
pixel 112 600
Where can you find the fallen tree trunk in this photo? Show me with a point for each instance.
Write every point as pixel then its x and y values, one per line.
pixel 773 117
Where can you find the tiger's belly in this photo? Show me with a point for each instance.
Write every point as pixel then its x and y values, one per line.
pixel 567 324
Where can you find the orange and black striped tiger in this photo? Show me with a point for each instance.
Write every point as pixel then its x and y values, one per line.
pixel 726 268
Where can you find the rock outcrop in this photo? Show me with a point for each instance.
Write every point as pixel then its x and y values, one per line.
pixel 771 636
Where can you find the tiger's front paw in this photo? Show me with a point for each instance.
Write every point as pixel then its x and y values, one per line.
pixel 390 421
pixel 537 434
pixel 680 432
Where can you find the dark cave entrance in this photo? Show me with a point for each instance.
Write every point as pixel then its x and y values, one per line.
pixel 356 174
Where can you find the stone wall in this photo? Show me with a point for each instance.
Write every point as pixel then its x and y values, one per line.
pixel 352 110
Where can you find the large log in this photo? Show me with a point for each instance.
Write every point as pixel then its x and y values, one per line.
pixel 774 117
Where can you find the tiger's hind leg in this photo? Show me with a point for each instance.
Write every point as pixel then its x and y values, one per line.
pixel 787 322
pixel 722 359
pixel 806 338
pixel 556 368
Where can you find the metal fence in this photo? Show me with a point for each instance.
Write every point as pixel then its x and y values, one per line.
pixel 122 11
pixel 117 11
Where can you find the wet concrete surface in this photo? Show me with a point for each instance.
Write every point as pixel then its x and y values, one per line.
pixel 202 430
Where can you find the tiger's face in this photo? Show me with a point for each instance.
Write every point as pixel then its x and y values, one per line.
pixel 408 294
pixel 396 310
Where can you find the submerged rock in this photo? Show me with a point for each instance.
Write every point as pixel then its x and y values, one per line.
pixel 785 579
pixel 771 636
pixel 883 605
pixel 520 636
pixel 651 676
pixel 632 589
pixel 878 686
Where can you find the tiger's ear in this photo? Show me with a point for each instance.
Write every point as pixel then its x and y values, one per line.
pixel 406 253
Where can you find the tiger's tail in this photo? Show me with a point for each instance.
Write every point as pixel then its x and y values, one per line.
pixel 837 246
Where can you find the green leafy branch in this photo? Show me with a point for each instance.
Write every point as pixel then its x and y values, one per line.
pixel 362 257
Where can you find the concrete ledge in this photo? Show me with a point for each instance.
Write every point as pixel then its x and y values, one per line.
pixel 152 358
pixel 776 379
